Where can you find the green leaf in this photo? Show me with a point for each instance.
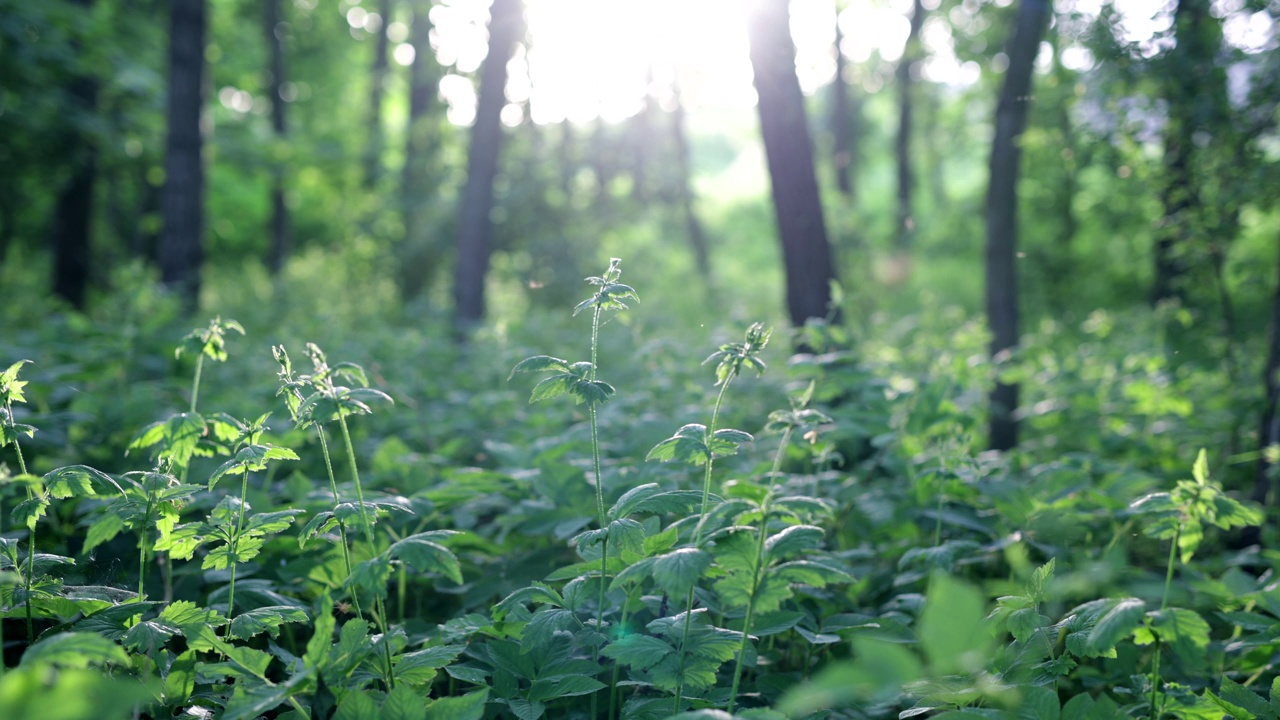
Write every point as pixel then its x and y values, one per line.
pixel 951 628
pixel 544 624
pixel 403 704
pixel 638 651
pixel 1118 623
pixel 687 445
pixel 357 706
pixel 1245 699
pixel 592 391
pixel 677 571
pixel 793 540
pixel 1184 631
pixel 181 681
pixel 418 668
pixel 251 459
pixel 422 553
pixel 467 707
pixel 552 387
pixel 650 498
pixel 74 650
pixel 29 511
pixel 266 619
pixel 563 686
pixel 78 481
pixel 102 530
pixel 1200 470
pixel 539 363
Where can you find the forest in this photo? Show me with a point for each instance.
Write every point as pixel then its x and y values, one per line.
pixel 622 360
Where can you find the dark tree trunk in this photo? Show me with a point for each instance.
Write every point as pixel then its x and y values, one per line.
pixel 693 227
pixel 73 215
pixel 421 254
pixel 906 181
pixel 73 212
pixel 841 124
pixel 1195 90
pixel 280 240
pixel 789 152
pixel 377 89
pixel 482 165
pixel 1002 207
pixel 181 242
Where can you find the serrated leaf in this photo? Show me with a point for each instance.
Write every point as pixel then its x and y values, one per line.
pixel 418 668
pixel 638 651
pixel 677 571
pixel 1117 624
pixel 564 686
pixel 74 650
pixel 544 624
pixel 266 619
pixel 539 363
pixel 78 481
pixel 402 704
pixel 466 707
pixel 592 391
pixel 687 445
pixel 358 705
pixel 792 540
pixel 422 553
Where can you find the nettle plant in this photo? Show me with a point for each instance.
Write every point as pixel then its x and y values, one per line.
pixel 670 604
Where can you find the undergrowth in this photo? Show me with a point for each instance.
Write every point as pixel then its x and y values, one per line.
pixel 849 553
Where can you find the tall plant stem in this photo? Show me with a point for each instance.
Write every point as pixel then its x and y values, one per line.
pixel 342 526
pixel 697 536
pixel 613 681
pixel 195 382
pixel 1164 603
pixel 380 611
pixel 231 595
pixel 600 512
pixel 31 537
pixel 759 567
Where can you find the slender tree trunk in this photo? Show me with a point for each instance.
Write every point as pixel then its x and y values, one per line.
pixel 421 255
pixel 377 90
pixel 505 26
pixel 280 239
pixel 1002 207
pixel 641 142
pixel 181 243
pixel 906 180
pixel 73 212
pixel 789 152
pixel 684 169
pixel 841 123
pixel 568 157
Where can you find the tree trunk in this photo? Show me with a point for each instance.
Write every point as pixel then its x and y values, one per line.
pixel 482 165
pixel 1002 207
pixel 906 181
pixel 789 152
pixel 421 255
pixel 73 212
pixel 181 242
pixel 693 227
pixel 841 123
pixel 280 240
pixel 377 89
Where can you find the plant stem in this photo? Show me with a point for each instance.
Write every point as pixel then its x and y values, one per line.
pixel 342 526
pixel 380 612
pixel 195 383
pixel 1164 603
pixel 600 512
pixel 31 537
pixel 758 571
pixel 697 535
pixel 231 595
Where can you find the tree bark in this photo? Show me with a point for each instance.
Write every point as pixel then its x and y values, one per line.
pixel 73 212
pixel 906 179
pixel 377 90
pixel 474 229
pixel 841 129
pixel 280 235
pixel 693 227
pixel 789 152
pixel 421 256
pixel 181 243
pixel 1002 207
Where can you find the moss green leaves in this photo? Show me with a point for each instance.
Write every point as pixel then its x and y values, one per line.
pixel 610 294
